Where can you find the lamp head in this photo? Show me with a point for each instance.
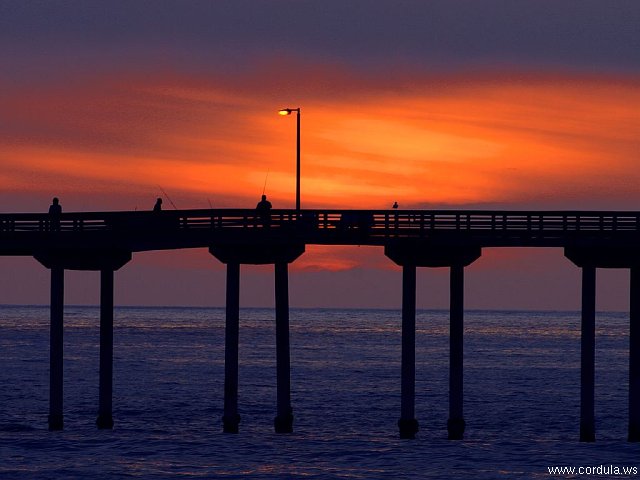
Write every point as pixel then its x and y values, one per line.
pixel 289 111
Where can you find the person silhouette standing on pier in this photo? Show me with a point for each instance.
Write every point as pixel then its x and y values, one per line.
pixel 264 211
pixel 55 210
pixel 158 206
pixel 395 216
pixel 264 205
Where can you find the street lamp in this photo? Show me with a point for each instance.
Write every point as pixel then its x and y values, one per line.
pixel 288 111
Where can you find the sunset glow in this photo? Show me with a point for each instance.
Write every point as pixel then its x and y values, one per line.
pixel 541 141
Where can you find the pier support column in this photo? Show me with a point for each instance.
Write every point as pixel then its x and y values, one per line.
pixel 587 355
pixel 283 422
pixel 455 423
pixel 408 424
pixel 269 250
pixel 105 403
pixel 634 357
pixel 99 259
pixel 231 418
pixel 409 255
pixel 56 349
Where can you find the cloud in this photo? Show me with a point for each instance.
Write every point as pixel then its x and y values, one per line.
pixel 590 34
pixel 421 140
pixel 337 258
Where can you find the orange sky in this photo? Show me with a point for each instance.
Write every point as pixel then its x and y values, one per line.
pixel 534 141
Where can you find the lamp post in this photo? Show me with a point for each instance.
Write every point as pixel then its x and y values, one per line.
pixel 288 111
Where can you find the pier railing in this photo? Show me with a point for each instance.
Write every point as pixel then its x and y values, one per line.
pixel 343 226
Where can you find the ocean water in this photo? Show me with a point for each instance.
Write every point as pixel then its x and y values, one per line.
pixel 522 373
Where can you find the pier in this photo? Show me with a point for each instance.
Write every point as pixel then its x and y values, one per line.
pixel 453 239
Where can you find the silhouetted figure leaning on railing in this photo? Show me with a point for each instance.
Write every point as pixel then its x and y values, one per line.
pixel 55 210
pixel 264 211
pixel 159 220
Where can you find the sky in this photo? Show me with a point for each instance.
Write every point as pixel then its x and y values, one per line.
pixel 514 104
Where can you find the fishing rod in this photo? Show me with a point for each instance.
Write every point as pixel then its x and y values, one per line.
pixel 168 198
pixel 264 188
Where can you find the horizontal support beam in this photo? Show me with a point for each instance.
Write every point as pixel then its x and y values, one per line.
pixel 602 257
pixel 84 259
pixel 425 255
pixel 257 254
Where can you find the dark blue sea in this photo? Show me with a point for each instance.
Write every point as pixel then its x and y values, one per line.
pixel 522 390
